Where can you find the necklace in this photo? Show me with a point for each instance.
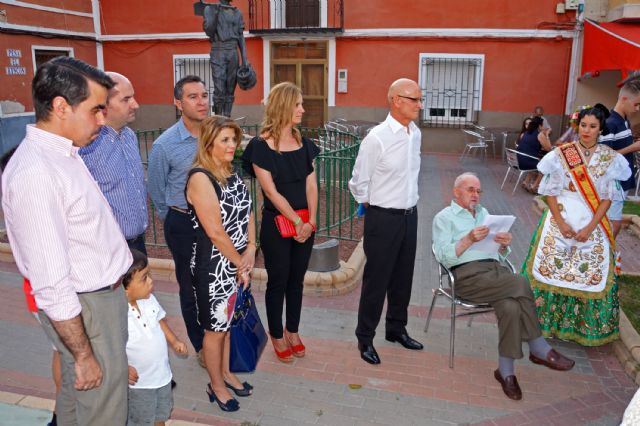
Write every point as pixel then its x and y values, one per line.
pixel 587 151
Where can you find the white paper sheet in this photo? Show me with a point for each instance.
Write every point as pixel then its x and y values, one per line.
pixel 496 224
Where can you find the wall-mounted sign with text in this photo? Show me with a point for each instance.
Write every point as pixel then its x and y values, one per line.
pixel 14 56
pixel 15 70
pixel 14 53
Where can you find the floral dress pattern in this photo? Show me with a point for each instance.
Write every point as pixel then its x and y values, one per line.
pixel 213 275
pixel 574 284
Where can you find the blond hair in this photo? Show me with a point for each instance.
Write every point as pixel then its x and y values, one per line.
pixel 209 130
pixel 279 111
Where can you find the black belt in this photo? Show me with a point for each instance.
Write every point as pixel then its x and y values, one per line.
pixel 405 212
pixel 110 287
pixel 134 239
pixel 179 210
pixel 473 261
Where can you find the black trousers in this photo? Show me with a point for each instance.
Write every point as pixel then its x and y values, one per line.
pixel 286 261
pixel 390 247
pixel 179 235
pixel 138 243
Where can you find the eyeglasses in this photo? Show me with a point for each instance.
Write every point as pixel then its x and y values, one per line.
pixel 471 190
pixel 414 100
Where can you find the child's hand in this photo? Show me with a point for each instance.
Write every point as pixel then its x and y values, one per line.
pixel 133 375
pixel 180 347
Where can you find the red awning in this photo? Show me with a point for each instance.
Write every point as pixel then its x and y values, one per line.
pixel 610 46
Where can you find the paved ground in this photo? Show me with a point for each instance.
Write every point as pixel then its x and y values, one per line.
pixel 407 388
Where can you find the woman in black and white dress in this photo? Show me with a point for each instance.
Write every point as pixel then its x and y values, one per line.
pixel 223 251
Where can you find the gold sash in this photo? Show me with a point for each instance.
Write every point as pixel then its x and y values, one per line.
pixel 575 164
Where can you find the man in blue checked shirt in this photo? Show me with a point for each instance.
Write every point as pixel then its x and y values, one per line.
pixel 114 162
pixel 171 158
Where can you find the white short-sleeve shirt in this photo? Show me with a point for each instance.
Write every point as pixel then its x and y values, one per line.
pixel 147 346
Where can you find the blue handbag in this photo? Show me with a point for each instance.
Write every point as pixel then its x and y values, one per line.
pixel 248 337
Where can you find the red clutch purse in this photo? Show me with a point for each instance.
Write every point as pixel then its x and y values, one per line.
pixel 286 228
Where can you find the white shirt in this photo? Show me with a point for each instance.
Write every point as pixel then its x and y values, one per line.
pixel 147 345
pixel 62 232
pixel 387 166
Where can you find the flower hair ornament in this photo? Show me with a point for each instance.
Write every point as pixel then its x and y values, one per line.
pixel 573 121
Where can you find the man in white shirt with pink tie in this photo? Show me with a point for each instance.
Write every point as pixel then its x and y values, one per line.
pixel 385 181
pixel 66 241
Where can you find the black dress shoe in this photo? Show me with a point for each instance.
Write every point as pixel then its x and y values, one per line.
pixel 405 341
pixel 368 353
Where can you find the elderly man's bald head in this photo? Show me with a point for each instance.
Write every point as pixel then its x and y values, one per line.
pixel 404 98
pixel 402 86
pixel 462 179
pixel 467 190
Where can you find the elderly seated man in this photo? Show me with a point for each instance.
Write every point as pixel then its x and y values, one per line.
pixel 480 278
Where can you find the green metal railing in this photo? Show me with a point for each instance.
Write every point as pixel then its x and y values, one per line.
pixel 336 206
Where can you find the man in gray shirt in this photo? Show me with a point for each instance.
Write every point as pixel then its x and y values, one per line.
pixel 171 158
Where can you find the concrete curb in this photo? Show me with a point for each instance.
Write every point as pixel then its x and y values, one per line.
pixel 627 349
pixel 332 283
pixel 33 402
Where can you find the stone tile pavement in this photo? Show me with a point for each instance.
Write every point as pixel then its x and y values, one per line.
pixel 407 388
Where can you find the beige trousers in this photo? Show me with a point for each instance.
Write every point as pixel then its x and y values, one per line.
pixel 511 297
pixel 104 315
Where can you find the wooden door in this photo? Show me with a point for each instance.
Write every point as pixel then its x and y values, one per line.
pixel 304 64
pixel 312 83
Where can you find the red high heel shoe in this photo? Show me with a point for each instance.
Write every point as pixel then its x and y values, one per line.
pixel 286 355
pixel 298 350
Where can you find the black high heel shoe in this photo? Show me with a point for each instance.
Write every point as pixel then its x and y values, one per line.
pixel 244 391
pixel 230 405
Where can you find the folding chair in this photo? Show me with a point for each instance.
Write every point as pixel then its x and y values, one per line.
pixel 449 292
pixel 489 137
pixel 512 165
pixel 479 144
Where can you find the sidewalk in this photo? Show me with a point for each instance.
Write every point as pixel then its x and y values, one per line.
pixel 407 388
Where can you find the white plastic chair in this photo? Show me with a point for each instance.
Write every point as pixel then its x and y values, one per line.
pixel 449 292
pixel 478 144
pixel 512 165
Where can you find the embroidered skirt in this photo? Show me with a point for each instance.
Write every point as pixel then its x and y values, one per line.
pixel 574 285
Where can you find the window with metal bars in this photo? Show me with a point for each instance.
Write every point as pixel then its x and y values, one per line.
pixel 451 89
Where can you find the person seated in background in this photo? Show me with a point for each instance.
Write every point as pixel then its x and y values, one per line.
pixel 538 111
pixel 480 278
pixel 523 130
pixel 534 142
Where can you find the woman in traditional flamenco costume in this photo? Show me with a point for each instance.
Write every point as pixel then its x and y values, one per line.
pixel 571 262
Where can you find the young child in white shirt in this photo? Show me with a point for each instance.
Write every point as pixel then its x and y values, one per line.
pixel 150 396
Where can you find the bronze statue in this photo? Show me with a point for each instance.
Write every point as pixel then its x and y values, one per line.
pixel 224 25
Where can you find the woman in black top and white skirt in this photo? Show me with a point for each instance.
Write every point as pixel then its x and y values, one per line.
pixel 223 251
pixel 282 160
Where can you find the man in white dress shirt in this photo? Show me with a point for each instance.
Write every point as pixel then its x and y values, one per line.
pixel 385 180
pixel 66 241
